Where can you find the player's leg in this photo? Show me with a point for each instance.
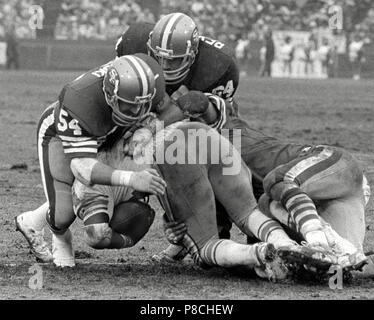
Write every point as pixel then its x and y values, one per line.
pixel 191 190
pixel 284 184
pixel 58 180
pixel 332 179
pixel 192 201
pixel 96 205
pixel 31 223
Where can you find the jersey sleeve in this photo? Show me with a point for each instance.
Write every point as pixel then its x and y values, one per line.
pixel 76 142
pixel 220 106
pixel 229 82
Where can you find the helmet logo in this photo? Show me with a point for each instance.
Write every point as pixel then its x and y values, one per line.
pixel 195 36
pixel 113 77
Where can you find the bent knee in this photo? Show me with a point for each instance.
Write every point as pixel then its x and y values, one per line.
pixel 98 236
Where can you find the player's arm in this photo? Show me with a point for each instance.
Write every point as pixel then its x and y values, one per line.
pixel 226 87
pixel 90 171
pixel 82 148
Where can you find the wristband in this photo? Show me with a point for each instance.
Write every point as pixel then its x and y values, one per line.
pixel 121 178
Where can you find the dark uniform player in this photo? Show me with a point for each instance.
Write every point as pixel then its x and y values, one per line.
pixel 196 62
pixel 117 95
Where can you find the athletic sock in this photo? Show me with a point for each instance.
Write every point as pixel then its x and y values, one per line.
pixel 302 210
pixel 227 253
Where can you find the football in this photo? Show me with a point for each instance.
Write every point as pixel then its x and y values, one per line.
pixel 132 218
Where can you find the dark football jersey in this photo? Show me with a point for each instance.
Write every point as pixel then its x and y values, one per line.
pixel 214 70
pixel 260 152
pixel 84 119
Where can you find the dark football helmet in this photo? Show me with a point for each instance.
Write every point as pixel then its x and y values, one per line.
pixel 174 43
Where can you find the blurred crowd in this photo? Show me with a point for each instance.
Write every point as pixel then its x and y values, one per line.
pixel 87 19
pixel 222 19
pixel 234 22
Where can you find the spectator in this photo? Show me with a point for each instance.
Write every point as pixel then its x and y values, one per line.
pixel 287 51
pixel 12 48
pixel 324 55
pixel 267 54
pixel 309 56
pixel 242 52
pixel 356 56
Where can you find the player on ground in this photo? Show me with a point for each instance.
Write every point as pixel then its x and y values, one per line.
pixel 110 99
pixel 309 182
pixel 191 193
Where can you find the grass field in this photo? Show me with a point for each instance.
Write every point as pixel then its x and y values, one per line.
pixel 339 112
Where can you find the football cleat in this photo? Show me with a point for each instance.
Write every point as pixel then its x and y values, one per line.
pixel 38 246
pixel 349 257
pixel 272 266
pixel 172 253
pixel 62 250
pixel 310 257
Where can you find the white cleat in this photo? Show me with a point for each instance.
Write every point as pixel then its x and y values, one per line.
pixel 62 250
pixel 272 267
pixel 38 246
pixel 348 255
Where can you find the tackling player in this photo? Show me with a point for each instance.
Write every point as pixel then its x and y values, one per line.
pixel 190 62
pixel 105 101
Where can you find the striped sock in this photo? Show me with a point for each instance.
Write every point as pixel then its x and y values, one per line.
pixel 302 210
pixel 227 253
pixel 262 226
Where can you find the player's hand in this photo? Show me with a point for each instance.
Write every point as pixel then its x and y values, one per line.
pixel 174 231
pixel 180 92
pixel 148 181
pixel 193 104
pixel 139 141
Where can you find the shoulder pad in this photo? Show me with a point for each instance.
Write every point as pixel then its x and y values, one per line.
pixel 134 39
pixel 87 104
pixel 215 67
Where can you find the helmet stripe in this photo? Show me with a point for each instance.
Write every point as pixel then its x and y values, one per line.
pixel 168 29
pixel 143 74
pixel 133 64
pixel 146 70
pixel 163 28
pixel 172 30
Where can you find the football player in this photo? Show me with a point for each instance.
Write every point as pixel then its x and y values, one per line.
pixel 190 61
pixel 192 188
pixel 309 183
pixel 186 57
pixel 105 101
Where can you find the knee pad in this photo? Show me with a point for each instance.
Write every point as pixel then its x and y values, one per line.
pixel 132 218
pixel 98 236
